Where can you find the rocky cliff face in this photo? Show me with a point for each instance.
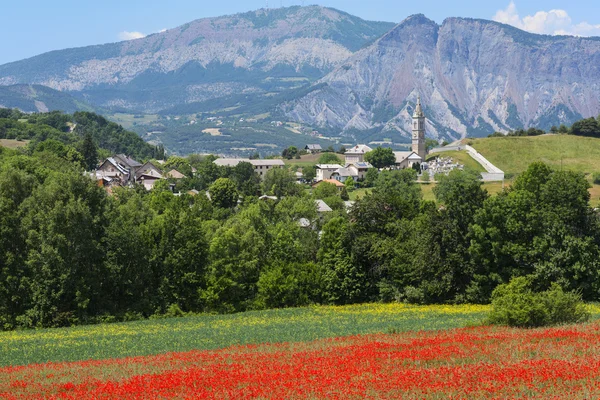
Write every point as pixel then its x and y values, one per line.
pixel 204 59
pixel 475 77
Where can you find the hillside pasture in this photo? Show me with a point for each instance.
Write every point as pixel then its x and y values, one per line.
pixel 514 154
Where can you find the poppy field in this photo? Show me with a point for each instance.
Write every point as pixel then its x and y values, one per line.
pixel 481 362
pixel 417 353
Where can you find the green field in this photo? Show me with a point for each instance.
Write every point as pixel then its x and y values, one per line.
pixel 514 154
pixel 307 160
pixel 219 331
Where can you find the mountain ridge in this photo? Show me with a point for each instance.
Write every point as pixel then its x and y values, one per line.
pixel 296 42
pixel 467 88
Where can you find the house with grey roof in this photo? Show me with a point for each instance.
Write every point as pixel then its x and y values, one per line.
pixel 313 148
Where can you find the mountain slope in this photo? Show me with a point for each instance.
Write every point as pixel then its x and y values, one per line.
pixel 37 98
pixel 475 77
pixel 258 51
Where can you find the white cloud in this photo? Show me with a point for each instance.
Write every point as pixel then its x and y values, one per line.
pixel 130 35
pixel 162 30
pixel 553 22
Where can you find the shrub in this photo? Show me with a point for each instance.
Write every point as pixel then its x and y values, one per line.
pixel 516 304
pixel 596 178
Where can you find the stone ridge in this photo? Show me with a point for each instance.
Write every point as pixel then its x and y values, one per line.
pixel 475 77
pixel 303 42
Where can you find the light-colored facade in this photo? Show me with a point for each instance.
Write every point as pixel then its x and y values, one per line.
pixel 324 171
pixel 261 167
pixel 357 154
pixel 418 131
pixel 406 159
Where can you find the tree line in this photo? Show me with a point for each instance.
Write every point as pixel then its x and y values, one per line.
pixel 71 254
pixel 589 127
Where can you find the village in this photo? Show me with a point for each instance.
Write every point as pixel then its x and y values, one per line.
pixel 122 170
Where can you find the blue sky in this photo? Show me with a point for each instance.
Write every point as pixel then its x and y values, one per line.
pixel 36 26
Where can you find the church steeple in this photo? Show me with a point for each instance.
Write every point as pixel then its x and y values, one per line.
pixel 418 109
pixel 418 131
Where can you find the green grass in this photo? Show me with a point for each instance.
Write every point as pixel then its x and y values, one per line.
pixel 514 154
pixel 461 157
pixel 358 194
pixel 219 331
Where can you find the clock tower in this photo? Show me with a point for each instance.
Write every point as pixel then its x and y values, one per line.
pixel 418 131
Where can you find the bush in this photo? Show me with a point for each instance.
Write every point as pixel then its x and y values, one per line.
pixel 596 178
pixel 516 304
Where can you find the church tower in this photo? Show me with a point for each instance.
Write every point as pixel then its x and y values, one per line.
pixel 418 131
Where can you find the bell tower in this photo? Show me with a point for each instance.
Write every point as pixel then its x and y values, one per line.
pixel 418 131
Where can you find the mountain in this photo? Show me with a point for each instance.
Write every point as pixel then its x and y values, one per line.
pixel 474 76
pixel 38 98
pixel 263 51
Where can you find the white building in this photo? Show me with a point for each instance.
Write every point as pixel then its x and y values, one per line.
pixel 324 171
pixel 261 167
pixel 357 154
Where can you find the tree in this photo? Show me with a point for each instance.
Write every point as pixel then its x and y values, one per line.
pixel 309 173
pixel 89 151
pixel 246 179
pixel 280 182
pixel 65 223
pixel 343 280
pixel 325 189
pixel 431 144
pixel 344 194
pixel 586 127
pixel 180 164
pixel 329 158
pixel 290 152
pixel 381 157
pixel 350 184
pixel 223 193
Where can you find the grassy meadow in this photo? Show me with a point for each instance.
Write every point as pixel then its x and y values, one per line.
pixel 514 154
pixel 205 332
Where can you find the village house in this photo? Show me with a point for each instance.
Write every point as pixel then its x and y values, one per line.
pixel 122 170
pixel 324 171
pixel 261 167
pixel 175 174
pixel 357 153
pixel 148 175
pixel 313 148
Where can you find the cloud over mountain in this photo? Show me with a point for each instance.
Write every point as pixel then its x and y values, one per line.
pixel 553 22
pixel 125 35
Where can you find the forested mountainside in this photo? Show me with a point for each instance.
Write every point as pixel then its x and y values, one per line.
pixel 65 134
pixel 38 98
